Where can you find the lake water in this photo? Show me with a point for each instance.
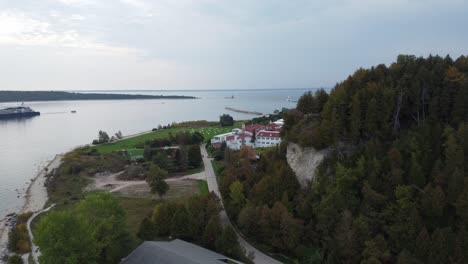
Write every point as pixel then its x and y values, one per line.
pixel 27 145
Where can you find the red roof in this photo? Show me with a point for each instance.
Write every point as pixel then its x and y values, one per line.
pixel 274 134
pixel 253 128
pixel 273 127
pixel 216 145
pixel 241 136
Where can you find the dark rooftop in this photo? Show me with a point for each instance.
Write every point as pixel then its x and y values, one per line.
pixel 174 252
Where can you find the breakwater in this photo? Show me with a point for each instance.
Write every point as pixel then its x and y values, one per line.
pixel 243 111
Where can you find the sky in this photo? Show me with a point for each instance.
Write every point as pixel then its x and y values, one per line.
pixel 216 44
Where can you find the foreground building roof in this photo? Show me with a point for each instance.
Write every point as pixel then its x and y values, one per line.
pixel 174 252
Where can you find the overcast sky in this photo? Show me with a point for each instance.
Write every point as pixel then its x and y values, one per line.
pixel 214 44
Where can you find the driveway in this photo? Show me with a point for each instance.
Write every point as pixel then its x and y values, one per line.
pixel 260 258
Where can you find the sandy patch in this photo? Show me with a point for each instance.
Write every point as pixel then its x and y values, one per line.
pixel 177 188
pixel 110 182
pixel 36 195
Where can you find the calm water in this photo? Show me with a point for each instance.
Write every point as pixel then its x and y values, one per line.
pixel 26 145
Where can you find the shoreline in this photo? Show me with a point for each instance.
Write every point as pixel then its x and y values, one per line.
pixel 36 194
pixel 35 199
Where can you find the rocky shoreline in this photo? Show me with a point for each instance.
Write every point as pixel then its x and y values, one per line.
pixel 36 197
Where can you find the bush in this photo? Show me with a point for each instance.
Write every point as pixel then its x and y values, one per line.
pixel 15 259
pixel 18 240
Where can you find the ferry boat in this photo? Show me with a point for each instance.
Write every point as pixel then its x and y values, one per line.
pixel 17 112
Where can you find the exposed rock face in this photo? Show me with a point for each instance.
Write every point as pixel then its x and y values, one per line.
pixel 304 161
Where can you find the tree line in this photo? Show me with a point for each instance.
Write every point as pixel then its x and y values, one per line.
pixel 393 189
pixel 29 96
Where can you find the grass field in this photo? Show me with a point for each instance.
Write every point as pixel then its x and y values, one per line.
pixel 137 209
pixel 203 186
pixel 135 152
pixel 218 166
pixel 132 142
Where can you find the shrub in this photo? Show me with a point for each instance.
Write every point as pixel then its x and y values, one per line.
pixel 15 259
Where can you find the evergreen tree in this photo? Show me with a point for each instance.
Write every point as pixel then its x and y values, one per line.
pixel 375 251
pixel 194 156
pixel 228 244
pixel 179 227
pixel 212 232
pixel 146 230
pixel 306 104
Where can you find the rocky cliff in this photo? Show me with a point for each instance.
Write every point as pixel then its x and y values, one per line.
pixel 304 161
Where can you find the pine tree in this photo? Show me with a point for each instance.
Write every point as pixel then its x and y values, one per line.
pixel 375 251
pixel 212 231
pixel 291 231
pixel 372 115
pixel 228 244
pixel 345 236
pixel 423 245
pixel 147 230
pixel 306 103
pixel 179 227
pixel 356 118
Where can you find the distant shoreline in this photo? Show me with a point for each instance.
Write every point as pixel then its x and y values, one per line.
pixel 34 96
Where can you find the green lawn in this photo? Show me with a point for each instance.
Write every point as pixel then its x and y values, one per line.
pixel 218 166
pixel 137 209
pixel 138 141
pixel 135 152
pixel 203 186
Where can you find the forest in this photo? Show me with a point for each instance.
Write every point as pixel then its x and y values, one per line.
pixel 393 188
pixel 29 96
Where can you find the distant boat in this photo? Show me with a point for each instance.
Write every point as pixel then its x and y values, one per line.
pixel 291 100
pixel 73 111
pixel 229 97
pixel 17 112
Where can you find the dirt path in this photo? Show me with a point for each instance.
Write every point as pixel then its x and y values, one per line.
pixel 111 183
pixel 34 249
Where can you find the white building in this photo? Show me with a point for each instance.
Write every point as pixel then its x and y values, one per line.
pixel 234 140
pixel 265 136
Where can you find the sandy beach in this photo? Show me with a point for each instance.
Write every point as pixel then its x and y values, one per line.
pixel 35 199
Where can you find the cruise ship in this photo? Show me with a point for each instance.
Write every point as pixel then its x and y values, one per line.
pixel 17 112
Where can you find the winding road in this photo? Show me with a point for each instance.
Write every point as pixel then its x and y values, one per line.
pixel 260 257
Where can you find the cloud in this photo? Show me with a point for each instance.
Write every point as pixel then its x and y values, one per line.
pixel 77 2
pixel 19 29
pixel 188 44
